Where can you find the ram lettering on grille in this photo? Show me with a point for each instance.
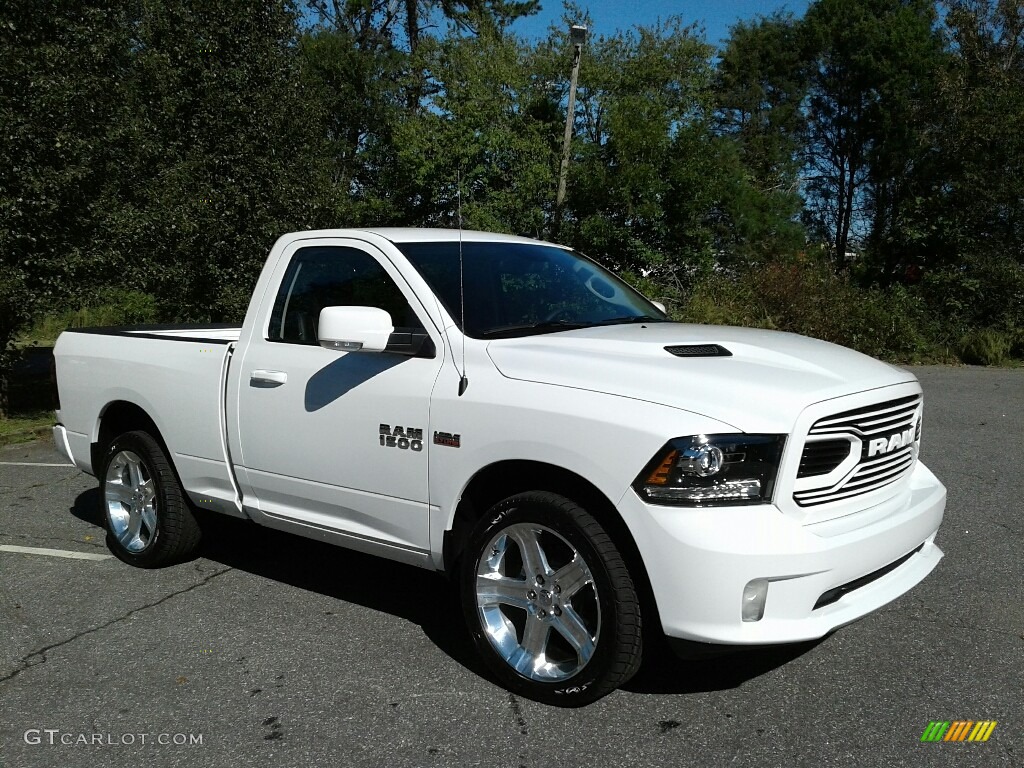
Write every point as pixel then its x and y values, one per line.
pixel 883 445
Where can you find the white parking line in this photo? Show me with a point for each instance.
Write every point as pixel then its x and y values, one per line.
pixel 31 464
pixel 53 552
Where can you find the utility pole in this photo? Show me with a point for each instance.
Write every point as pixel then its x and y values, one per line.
pixel 577 36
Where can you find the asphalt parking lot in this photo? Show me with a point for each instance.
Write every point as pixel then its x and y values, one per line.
pixel 274 650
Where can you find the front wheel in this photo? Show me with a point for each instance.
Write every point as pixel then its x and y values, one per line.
pixel 148 519
pixel 549 601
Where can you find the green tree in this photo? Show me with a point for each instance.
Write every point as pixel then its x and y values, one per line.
pixel 375 24
pixel 760 88
pixel 384 26
pixel 973 219
pixel 903 163
pixel 376 67
pixel 983 103
pixel 871 64
pixel 643 95
pixel 223 152
pixel 479 131
pixel 62 66
pixel 359 96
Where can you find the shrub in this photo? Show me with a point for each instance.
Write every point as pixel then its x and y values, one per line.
pixel 986 346
pixel 806 297
pixel 978 293
pixel 1017 344
pixel 721 300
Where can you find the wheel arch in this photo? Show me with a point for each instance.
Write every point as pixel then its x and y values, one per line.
pixel 118 417
pixel 506 478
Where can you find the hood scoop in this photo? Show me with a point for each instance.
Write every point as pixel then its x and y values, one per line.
pixel 699 350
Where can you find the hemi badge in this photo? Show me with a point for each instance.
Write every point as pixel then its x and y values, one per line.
pixel 447 438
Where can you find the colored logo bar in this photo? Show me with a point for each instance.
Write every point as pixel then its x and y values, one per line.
pixel 958 730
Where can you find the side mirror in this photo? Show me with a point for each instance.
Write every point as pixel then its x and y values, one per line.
pixel 660 306
pixel 351 329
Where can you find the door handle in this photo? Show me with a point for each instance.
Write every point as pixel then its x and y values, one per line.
pixel 261 378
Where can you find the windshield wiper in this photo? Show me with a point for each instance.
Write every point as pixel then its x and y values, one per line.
pixel 632 319
pixel 545 326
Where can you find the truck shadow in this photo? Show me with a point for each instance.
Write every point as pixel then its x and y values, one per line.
pixel 343 375
pixel 416 595
pixel 665 672
pixel 87 507
pixel 423 597
pixel 431 601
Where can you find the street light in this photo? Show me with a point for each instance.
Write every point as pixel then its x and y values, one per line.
pixel 577 37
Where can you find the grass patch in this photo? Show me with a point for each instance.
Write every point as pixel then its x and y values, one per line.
pixel 25 427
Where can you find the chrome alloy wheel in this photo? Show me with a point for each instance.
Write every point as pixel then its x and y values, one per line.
pixel 130 497
pixel 537 602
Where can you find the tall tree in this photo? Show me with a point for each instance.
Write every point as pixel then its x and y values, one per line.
pixel 360 98
pixel 760 88
pixel 903 164
pixel 983 110
pixel 372 63
pixel 223 156
pixel 972 222
pixel 871 59
pixel 378 26
pixel 62 68
pixel 377 23
pixel 479 140
pixel 638 91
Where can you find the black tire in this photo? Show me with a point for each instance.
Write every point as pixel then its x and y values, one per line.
pixel 590 639
pixel 155 509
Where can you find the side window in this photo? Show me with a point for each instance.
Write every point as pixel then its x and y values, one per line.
pixel 333 276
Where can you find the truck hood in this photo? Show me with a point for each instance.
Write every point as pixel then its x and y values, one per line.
pixel 768 379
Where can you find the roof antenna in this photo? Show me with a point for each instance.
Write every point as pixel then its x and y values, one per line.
pixel 463 381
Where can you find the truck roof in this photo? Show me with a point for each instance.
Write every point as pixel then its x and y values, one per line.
pixel 416 235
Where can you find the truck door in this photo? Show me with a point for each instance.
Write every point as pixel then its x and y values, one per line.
pixel 337 440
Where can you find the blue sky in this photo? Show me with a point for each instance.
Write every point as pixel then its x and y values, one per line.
pixel 610 15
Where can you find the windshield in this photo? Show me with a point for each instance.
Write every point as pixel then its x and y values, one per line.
pixel 518 289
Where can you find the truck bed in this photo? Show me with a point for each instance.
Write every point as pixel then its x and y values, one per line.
pixel 161 369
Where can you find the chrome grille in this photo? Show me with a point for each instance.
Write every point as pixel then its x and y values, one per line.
pixel 867 426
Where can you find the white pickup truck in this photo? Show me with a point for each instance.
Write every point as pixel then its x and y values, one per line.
pixel 508 411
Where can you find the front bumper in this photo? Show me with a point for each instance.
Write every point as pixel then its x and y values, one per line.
pixel 700 560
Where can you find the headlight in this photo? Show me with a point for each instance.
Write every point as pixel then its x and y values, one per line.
pixel 712 470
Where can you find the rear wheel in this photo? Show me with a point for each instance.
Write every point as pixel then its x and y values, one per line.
pixel 549 601
pixel 148 519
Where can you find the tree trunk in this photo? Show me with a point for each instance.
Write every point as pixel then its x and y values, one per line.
pixel 846 216
pixel 412 31
pixel 412 24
